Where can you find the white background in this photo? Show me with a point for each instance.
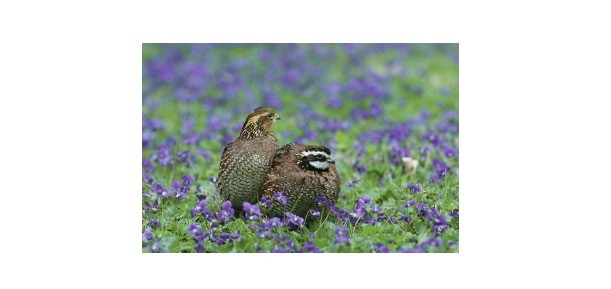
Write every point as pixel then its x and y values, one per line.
pixel 534 142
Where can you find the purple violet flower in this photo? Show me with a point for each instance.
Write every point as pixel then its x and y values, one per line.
pixel 151 207
pixel 411 250
pixel 147 236
pixel 280 197
pixel 322 200
pixel 432 241
pixel 214 223
pixel 226 212
pixel 160 190
pixel 376 209
pixel 399 133
pixel 206 154
pixel 397 153
pixel 313 213
pixel 157 247
pixel 310 134
pixel 164 155
pixel 422 207
pixel 379 248
pixel 154 222
pixel 235 236
pixel 293 221
pixel 180 190
pixel 276 222
pixel 406 218
pixel 432 138
pixel 342 236
pixel 310 247
pixel 201 209
pixel 147 138
pixel 278 250
pixel 440 224
pixel 272 99
pixel 441 169
pixel 352 183
pixel 194 230
pixel 359 168
pixel 414 188
pixel 335 102
pixel 291 245
pixel 265 202
pixel 454 214
pixel 449 151
pixel 251 211
pixel 360 149
pixel 199 248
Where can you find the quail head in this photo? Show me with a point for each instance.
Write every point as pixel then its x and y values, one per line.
pixel 247 160
pixel 302 173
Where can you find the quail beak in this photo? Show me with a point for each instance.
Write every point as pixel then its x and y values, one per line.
pixel 277 117
pixel 331 160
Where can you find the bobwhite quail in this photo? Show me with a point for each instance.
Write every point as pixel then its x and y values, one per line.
pixel 302 173
pixel 246 161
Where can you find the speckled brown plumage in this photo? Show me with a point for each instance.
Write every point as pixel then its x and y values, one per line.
pixel 294 175
pixel 247 160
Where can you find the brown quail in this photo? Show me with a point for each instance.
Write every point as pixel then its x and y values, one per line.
pixel 302 173
pixel 247 160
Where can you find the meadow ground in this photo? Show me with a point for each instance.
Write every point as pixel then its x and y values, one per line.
pixel 373 105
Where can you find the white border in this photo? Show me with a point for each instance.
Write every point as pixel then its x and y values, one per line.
pixel 534 150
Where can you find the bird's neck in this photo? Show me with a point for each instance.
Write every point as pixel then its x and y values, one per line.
pixel 252 131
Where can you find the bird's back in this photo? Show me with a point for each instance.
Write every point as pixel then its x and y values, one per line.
pixel 244 167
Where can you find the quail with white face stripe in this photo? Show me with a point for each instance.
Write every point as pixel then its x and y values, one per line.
pixel 302 173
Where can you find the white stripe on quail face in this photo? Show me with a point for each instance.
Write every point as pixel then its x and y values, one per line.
pixel 320 165
pixel 310 153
